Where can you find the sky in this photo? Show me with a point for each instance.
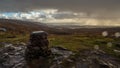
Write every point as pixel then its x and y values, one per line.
pixel 80 12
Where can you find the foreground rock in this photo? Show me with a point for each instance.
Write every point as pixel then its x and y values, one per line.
pixel 96 59
pixel 12 56
pixel 37 54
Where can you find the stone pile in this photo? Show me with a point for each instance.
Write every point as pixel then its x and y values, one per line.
pixel 37 50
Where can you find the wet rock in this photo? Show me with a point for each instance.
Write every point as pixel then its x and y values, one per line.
pixel 61 51
pixel 59 54
pixel 12 56
pixel 37 55
pixel 96 59
pixel 84 59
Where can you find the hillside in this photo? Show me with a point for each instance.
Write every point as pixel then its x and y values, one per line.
pixel 18 26
pixel 21 27
pixel 86 43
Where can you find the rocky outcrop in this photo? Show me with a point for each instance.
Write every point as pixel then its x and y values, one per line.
pixel 96 59
pixel 37 54
pixel 12 56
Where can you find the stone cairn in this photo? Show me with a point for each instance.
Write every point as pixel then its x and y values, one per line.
pixel 37 51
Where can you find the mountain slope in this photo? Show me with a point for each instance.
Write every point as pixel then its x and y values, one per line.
pixel 20 26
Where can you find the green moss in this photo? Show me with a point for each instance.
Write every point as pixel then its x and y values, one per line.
pixel 13 38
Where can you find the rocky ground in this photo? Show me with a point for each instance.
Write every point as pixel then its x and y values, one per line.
pixel 12 56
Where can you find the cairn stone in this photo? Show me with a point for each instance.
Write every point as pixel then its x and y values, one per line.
pixel 37 50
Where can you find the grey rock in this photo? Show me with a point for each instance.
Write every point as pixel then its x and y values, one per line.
pixel 3 29
pixel 85 59
pixel 11 56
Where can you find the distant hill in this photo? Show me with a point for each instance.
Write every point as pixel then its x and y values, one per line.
pixel 18 26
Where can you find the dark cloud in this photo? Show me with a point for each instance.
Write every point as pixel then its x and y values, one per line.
pixel 84 12
pixel 75 5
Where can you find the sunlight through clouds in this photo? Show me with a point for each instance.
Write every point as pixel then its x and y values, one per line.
pixel 59 17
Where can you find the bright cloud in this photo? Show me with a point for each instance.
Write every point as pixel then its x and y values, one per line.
pixel 56 16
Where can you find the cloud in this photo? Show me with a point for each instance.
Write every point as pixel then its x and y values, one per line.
pixel 80 12
pixel 60 17
pixel 74 5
